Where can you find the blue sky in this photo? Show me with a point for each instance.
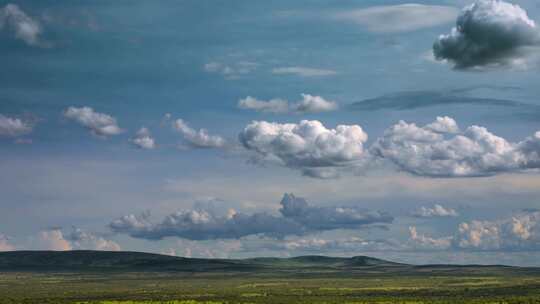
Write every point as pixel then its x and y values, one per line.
pixel 80 79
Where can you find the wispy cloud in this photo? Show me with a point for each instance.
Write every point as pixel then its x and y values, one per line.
pixel 231 71
pixel 198 138
pixel 99 124
pixel 308 104
pixel 399 18
pixel 21 25
pixel 303 71
pixel 435 211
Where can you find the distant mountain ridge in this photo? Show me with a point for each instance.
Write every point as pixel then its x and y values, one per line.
pixel 126 261
pixel 140 261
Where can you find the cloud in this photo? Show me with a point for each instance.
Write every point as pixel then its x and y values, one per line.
pixel 488 33
pixel 308 104
pixel 77 239
pixel 303 71
pixel 231 71
pixel 198 138
pixel 143 139
pixel 13 127
pixel 328 218
pixel 425 151
pixel 297 218
pixel 411 100
pixel 275 105
pixel 438 149
pixel 81 239
pixel 435 211
pixel 520 232
pixel 5 244
pixel 214 249
pixel 315 244
pixel 314 104
pixel 23 27
pixel 53 240
pixel 99 124
pixel 306 146
pixel 425 242
pixel 399 18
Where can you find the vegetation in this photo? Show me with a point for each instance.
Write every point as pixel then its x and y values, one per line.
pixel 311 280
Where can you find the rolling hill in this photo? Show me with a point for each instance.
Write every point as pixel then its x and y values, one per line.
pixel 123 261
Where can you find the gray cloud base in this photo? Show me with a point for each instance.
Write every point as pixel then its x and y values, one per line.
pixel 297 218
pixel 488 33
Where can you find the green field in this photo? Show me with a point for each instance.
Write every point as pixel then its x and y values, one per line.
pixel 300 280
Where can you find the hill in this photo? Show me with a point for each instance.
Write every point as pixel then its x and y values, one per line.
pixel 86 260
pixel 123 261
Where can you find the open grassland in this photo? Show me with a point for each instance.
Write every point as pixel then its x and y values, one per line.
pixel 495 286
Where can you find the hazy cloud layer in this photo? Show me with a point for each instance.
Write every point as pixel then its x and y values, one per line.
pixel 474 152
pixel 308 104
pixel 305 146
pixel 435 211
pixel 400 18
pixel 99 124
pixel 197 138
pixel 303 71
pixel 143 139
pixel 23 27
pixel 297 218
pixel 13 127
pixel 489 33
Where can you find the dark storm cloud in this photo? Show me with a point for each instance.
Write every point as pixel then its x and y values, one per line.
pixel 489 33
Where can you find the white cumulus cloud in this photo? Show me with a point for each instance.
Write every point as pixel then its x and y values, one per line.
pixel 519 232
pixel 440 152
pixel 53 240
pixel 308 104
pixel 306 145
pixel 99 124
pixel 143 139
pixel 13 127
pixel 198 138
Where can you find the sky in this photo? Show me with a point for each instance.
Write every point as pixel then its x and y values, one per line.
pixel 408 131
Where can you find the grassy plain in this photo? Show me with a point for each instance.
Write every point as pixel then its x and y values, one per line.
pixel 174 288
pixel 86 277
